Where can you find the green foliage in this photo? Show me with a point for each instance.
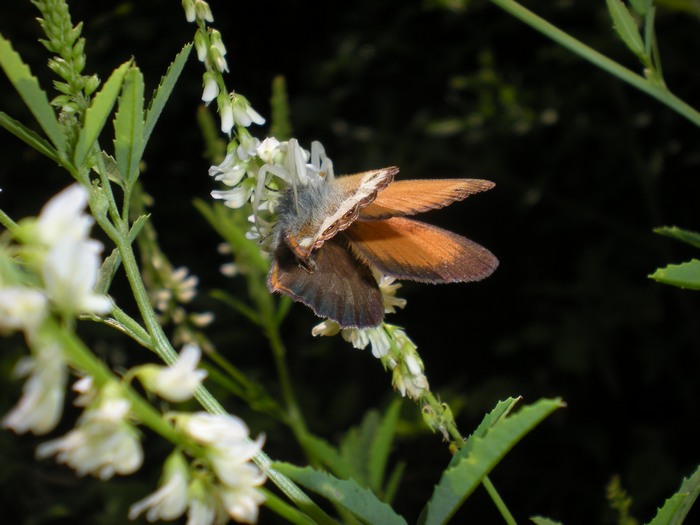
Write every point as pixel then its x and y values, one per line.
pixel 685 275
pixel 164 90
pixel 97 114
pixel 129 127
pixel 626 27
pixel 539 520
pixel 480 455
pixel 348 494
pixel 676 508
pixel 34 97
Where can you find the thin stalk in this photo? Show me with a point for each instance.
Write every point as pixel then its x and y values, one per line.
pixel 659 92
pixel 496 498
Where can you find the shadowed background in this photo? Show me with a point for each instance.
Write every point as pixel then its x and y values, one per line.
pixel 584 168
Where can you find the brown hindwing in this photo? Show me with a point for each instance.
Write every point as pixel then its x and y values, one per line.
pixel 334 284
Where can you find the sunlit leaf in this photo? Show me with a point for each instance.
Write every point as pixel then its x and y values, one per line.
pixel 128 126
pixel 685 275
pixel 163 91
pixel 98 112
pixel 33 96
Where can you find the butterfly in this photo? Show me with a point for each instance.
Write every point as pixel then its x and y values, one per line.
pixel 331 233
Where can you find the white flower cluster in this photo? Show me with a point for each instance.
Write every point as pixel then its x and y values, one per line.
pixel 392 346
pixel 259 172
pixel 234 109
pixel 60 273
pixel 232 491
pixel 104 442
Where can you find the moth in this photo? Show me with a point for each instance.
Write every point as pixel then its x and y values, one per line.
pixel 331 233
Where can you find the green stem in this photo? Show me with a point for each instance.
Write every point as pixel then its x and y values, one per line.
pixel 659 92
pixel 496 498
pixel 294 414
pixel 7 222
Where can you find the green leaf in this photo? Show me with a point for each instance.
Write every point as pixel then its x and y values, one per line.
pixel 641 7
pixel 128 126
pixel 107 271
pixel 98 112
pixel 478 457
pixel 626 27
pixel 327 454
pixel 686 236
pixel 109 165
pixel 34 97
pixel 676 508
pixel 347 494
pixel 685 275
pixel 381 445
pixel 31 138
pixel 502 409
pixel 163 91
pixel 281 123
pixel 539 520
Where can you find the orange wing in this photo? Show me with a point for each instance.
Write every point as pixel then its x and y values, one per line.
pixel 409 197
pixel 408 249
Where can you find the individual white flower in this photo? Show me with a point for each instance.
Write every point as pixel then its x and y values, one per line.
pixel 21 308
pixel 188 6
pixel 70 271
pixel 223 102
pixel 170 500
pixel 62 218
pixel 361 337
pixel 236 197
pixel 232 462
pixel 210 429
pixel 203 11
pixel 268 150
pixel 211 87
pixel 217 51
pixel 231 170
pixel 201 45
pixel 249 145
pixel 388 288
pixel 243 112
pixel 327 327
pixel 102 444
pixel 40 407
pixel 242 502
pixel 203 505
pixel 177 382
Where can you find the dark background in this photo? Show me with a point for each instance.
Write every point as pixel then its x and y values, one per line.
pixel 585 168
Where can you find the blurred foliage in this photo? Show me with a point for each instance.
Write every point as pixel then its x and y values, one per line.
pixel 585 168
